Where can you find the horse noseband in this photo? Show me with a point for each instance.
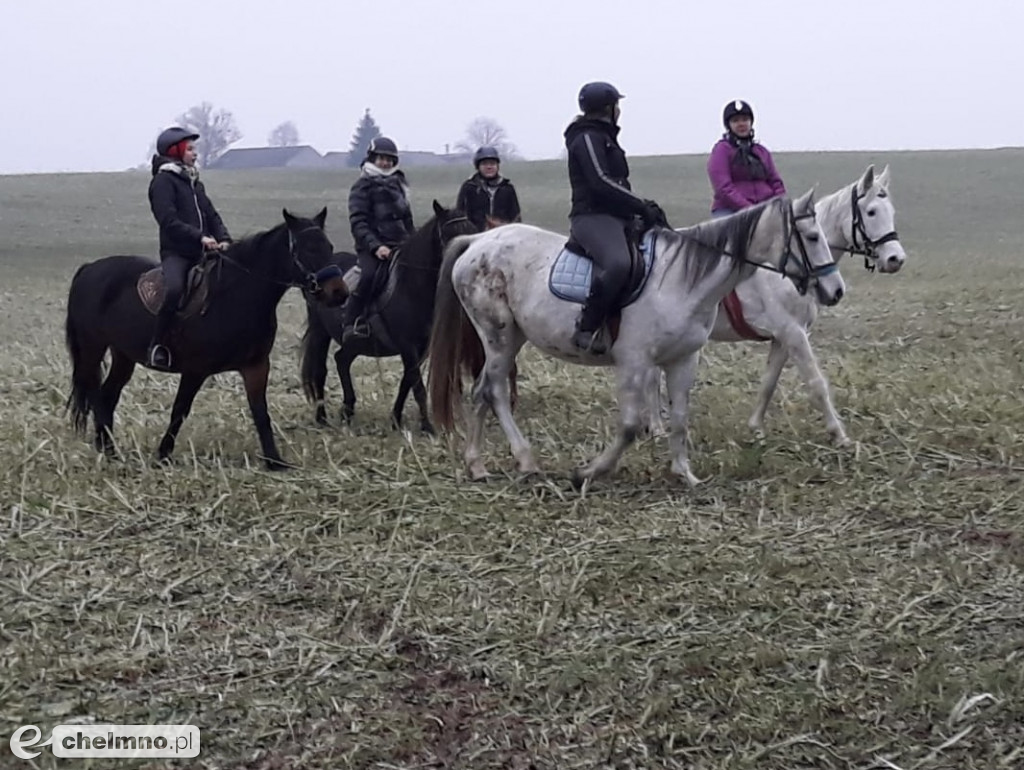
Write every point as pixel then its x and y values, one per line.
pixel 314 281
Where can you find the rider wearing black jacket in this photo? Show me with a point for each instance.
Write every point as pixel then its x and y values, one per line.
pixel 603 207
pixel 189 224
pixel 381 218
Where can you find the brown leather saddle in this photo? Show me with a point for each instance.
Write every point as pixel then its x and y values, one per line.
pixel 195 298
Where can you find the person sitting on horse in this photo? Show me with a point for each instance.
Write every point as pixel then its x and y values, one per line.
pixel 742 171
pixel 487 198
pixel 603 207
pixel 381 218
pixel 189 227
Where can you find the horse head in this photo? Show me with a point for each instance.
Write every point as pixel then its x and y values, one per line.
pixel 311 253
pixel 807 258
pixel 873 222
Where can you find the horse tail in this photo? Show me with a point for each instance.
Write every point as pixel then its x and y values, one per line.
pixel 453 340
pixel 85 376
pixel 316 341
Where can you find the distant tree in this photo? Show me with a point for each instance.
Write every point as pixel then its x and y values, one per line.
pixel 487 132
pixel 285 135
pixel 216 128
pixel 366 131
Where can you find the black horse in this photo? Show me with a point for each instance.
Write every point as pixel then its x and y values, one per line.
pixel 399 320
pixel 235 331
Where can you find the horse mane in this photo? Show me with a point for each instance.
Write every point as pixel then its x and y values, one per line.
pixel 840 201
pixel 420 240
pixel 242 249
pixel 705 244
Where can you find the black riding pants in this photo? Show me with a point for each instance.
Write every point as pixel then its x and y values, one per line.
pixel 175 271
pixel 604 238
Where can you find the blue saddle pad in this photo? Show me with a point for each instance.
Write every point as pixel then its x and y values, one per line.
pixel 572 273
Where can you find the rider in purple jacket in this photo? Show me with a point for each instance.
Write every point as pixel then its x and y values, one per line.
pixel 741 171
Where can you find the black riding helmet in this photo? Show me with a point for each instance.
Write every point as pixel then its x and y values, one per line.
pixel 171 136
pixel 485 153
pixel 598 95
pixel 381 145
pixel 738 107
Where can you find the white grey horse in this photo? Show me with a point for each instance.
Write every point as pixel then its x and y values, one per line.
pixel 857 219
pixel 498 282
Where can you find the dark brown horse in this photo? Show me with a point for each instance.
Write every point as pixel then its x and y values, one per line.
pixel 399 320
pixel 234 332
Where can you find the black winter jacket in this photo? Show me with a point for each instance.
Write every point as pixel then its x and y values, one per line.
pixel 182 210
pixel 379 212
pixel 598 171
pixel 479 200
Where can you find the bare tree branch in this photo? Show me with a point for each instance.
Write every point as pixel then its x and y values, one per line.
pixel 487 132
pixel 216 128
pixel 284 135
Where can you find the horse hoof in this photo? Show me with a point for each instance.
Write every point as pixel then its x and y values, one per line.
pixel 428 429
pixel 578 479
pixel 477 473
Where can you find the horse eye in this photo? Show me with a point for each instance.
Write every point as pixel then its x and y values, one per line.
pixel 813 237
pixel 883 194
pixel 871 212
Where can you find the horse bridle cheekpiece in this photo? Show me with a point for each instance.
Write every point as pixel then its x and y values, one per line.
pixel 867 247
pixel 808 272
pixel 310 282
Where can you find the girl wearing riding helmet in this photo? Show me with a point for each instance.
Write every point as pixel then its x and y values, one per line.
pixel 741 171
pixel 189 226
pixel 487 198
pixel 381 218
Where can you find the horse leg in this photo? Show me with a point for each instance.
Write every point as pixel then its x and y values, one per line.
pixel 652 403
pixel 343 360
pixel 188 387
pixel 419 392
pixel 632 379
pixel 807 364
pixel 492 392
pixel 777 358
pixel 121 370
pixel 255 378
pixel 410 378
pixel 681 376
pixel 513 397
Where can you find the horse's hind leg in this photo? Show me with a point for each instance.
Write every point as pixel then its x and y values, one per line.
pixel 343 360
pixel 777 358
pixel 121 370
pixel 188 387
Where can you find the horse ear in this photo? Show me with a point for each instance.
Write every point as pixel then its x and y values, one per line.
pixel 805 203
pixel 867 181
pixel 438 208
pixel 321 218
pixel 288 217
pixel 883 178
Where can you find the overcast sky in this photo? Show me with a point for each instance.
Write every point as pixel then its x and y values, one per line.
pixel 89 84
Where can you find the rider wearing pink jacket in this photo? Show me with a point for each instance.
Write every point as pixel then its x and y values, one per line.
pixel 741 171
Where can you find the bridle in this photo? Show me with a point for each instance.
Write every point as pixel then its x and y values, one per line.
pixel 310 281
pixel 860 242
pixel 808 272
pixel 439 234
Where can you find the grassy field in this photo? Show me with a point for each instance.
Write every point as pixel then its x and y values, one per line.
pixel 806 608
